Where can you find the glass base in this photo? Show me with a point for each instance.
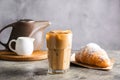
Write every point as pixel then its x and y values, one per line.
pixel 50 71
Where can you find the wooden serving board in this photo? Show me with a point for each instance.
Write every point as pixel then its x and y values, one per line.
pixel 11 56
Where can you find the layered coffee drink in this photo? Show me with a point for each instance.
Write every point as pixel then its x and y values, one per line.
pixel 59 44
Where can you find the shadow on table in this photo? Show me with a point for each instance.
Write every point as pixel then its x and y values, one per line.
pixel 5 71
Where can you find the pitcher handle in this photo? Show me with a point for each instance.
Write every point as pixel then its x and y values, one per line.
pixel 11 46
pixel 4 44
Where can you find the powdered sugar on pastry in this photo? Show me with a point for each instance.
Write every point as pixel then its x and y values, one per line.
pixel 93 47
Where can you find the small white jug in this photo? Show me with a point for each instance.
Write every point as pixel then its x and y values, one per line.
pixel 23 46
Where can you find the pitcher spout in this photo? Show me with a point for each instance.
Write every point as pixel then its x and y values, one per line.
pixel 39 26
pixel 42 24
pixel 32 39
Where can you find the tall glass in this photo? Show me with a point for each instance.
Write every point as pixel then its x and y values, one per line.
pixel 59 44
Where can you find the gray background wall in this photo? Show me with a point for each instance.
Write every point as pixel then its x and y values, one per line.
pixel 90 20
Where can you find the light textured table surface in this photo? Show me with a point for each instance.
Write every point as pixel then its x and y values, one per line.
pixel 37 70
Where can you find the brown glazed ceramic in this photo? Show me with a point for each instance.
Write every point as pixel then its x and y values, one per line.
pixel 27 28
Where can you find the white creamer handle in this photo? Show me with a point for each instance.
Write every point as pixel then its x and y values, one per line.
pixel 10 45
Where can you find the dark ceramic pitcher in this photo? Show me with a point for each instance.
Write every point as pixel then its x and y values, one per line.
pixel 27 28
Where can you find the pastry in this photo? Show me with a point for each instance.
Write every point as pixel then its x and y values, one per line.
pixel 92 54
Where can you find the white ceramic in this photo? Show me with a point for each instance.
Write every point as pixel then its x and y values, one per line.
pixel 23 45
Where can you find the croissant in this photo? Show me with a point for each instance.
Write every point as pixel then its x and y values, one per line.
pixel 93 55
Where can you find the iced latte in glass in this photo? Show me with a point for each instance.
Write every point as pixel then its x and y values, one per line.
pixel 59 44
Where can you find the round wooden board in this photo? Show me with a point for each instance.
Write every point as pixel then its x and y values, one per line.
pixel 11 56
